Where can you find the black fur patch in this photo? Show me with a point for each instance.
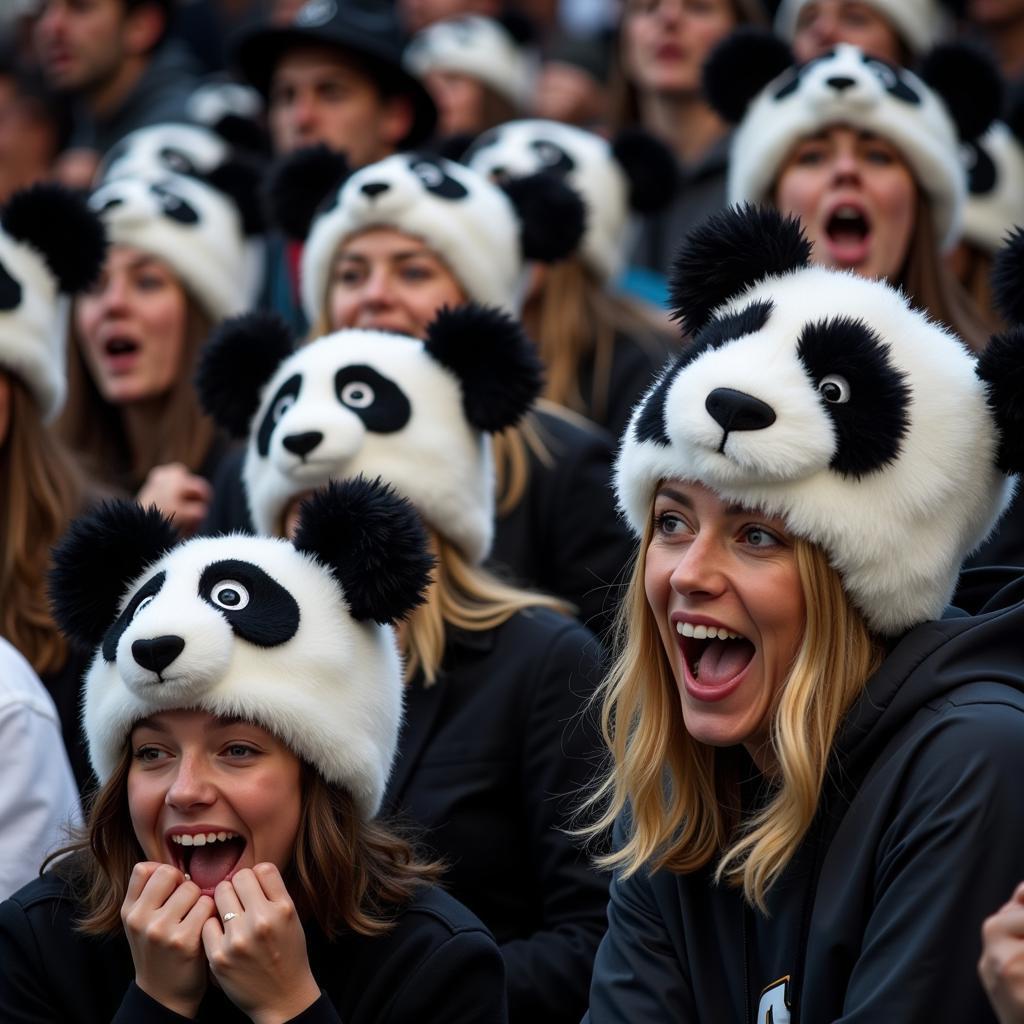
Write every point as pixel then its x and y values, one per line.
pixel 10 290
pixel 148 589
pixel 241 178
pixel 650 168
pixel 496 364
pixel 896 85
pixel 379 402
pixel 728 253
pixel 871 424
pixel 97 558
pixel 552 216
pixel 727 327
pixel 256 606
pixel 1001 366
pixel 650 424
pixel 740 66
pixel 552 157
pixel 174 206
pixel 969 84
pixel 298 185
pixel 981 169
pixel 1008 278
pixel 435 178
pixel 284 398
pixel 374 543
pixel 235 365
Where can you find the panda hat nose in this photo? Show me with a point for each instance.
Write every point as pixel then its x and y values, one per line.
pixel 374 188
pixel 302 444
pixel 156 654
pixel 736 410
pixel 841 82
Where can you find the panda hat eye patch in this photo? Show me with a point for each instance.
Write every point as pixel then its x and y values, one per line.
pixel 257 607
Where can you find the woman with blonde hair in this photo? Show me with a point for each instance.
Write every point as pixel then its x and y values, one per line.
pixel 815 777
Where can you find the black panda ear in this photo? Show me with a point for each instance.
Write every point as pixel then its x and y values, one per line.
pixel 1001 366
pixel 299 183
pixel 649 166
pixel 59 224
pixel 740 66
pixel 552 216
pixel 968 82
pixel 374 542
pixel 1013 115
pixel 241 178
pixel 96 559
pixel 455 146
pixel 497 365
pixel 1008 278
pixel 235 365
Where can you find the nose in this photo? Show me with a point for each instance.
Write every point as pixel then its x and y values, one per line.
pixel 302 444
pixel 841 82
pixel 736 410
pixel 698 573
pixel 190 787
pixel 374 188
pixel 156 654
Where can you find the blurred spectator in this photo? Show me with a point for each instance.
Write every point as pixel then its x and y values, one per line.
pixel 571 84
pixel 1000 23
pixel 418 14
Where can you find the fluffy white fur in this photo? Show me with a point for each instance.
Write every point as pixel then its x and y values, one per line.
pixel 597 177
pixel 31 336
pixel 332 693
pixel 477 236
pixel 437 461
pixel 989 216
pixel 924 134
pixel 158 149
pixel 897 535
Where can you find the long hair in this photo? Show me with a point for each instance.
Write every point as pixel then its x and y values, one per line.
pixel 93 428
pixel 41 490
pixel 683 795
pixel 345 872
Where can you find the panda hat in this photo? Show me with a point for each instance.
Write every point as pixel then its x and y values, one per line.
pixel 633 173
pixel 36 263
pixel 195 229
pixel 291 637
pixel 483 232
pixel 750 80
pixel 415 413
pixel 826 399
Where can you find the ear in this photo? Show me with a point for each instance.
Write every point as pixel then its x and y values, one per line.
pixel 552 216
pixel 1008 278
pixel 235 365
pixel 497 365
pixel 60 226
pixel 740 66
pixel 969 84
pixel 299 183
pixel 374 543
pixel 144 26
pixel 97 558
pixel 240 177
pixel 650 169
pixel 729 252
pixel 1001 366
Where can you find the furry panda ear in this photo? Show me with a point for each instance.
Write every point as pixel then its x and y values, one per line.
pixel 969 84
pixel 235 365
pixel 1001 367
pixel 729 252
pixel 96 559
pixel 240 178
pixel 61 227
pixel 650 168
pixel 497 365
pixel 551 214
pixel 375 544
pixel 299 183
pixel 740 66
pixel 1008 278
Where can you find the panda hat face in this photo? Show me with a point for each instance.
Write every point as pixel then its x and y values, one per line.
pixel 823 398
pixel 161 149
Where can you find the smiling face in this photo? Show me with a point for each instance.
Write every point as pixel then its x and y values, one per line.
pixel 821 24
pixel 856 198
pixel 212 795
pixel 723 586
pixel 131 327
pixel 383 279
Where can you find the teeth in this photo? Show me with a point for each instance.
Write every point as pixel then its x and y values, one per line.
pixel 706 632
pixel 202 838
pixel 848 213
pixel 199 840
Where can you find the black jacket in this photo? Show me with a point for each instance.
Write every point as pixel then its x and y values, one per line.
pixel 437 964
pixel 920 836
pixel 490 762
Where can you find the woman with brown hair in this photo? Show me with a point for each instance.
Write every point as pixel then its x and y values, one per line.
pixel 232 867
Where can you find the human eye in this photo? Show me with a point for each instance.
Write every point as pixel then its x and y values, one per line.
pixel 148 754
pixel 669 524
pixel 149 282
pixel 810 154
pixel 416 272
pixel 879 155
pixel 757 536
pixel 348 275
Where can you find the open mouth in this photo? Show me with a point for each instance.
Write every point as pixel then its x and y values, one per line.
pixel 848 230
pixel 206 857
pixel 714 659
pixel 115 347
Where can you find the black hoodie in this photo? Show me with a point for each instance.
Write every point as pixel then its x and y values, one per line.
pixel 877 918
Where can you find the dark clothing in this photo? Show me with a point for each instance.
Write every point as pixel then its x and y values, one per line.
pixel 65 687
pixel 919 837
pixel 1005 546
pixel 438 963
pixel 491 761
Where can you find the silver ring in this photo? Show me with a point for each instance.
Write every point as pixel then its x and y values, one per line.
pixel 229 916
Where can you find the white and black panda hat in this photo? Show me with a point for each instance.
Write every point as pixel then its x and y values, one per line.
pixel 750 80
pixel 195 229
pixel 483 232
pixel 294 638
pixel 826 399
pixel 50 242
pixel 632 173
pixel 416 413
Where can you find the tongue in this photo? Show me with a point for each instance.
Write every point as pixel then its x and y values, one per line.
pixel 723 660
pixel 211 864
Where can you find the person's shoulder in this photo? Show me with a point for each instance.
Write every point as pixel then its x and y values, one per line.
pixel 434 910
pixel 538 627
pixel 573 432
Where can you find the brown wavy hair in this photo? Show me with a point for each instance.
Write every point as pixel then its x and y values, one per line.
pixel 41 490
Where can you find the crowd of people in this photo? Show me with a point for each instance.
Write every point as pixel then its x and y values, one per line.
pixel 509 511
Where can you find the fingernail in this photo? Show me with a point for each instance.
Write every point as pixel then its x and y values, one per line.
pixel 188 877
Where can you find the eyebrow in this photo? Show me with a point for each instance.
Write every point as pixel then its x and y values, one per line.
pixel 678 496
pixel 215 723
pixel 406 254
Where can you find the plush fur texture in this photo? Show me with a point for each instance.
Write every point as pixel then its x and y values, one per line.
pixel 1008 277
pixel 552 217
pixel 969 84
pixel 649 166
pixel 238 360
pixel 36 262
pixel 882 448
pixel 740 66
pixel 254 628
pixel 298 184
pixel 1001 367
pixel 995 177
